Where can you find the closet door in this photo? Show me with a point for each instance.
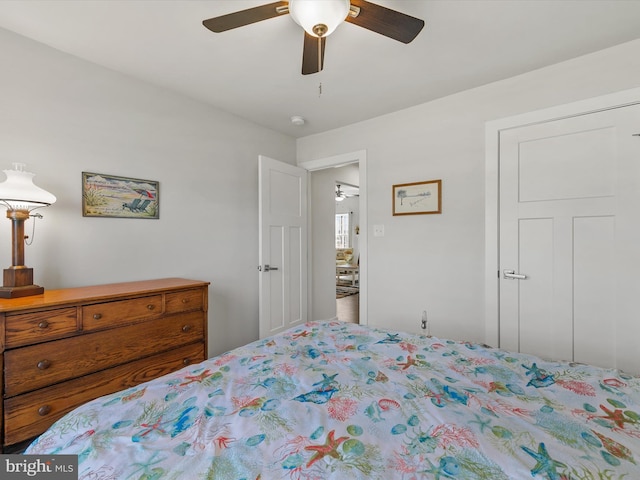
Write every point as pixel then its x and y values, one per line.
pixel 569 233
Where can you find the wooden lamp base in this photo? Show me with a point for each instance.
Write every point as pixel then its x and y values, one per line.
pixel 18 282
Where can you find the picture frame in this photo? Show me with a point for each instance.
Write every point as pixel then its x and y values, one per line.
pixel 417 198
pixel 120 197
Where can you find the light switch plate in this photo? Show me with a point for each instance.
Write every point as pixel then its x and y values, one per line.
pixel 378 230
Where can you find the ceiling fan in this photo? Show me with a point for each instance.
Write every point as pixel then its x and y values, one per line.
pixel 341 194
pixel 321 17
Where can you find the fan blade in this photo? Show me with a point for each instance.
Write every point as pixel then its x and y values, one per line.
pixel 310 52
pixel 385 21
pixel 246 17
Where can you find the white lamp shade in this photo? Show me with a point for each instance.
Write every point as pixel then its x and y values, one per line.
pixel 19 192
pixel 309 13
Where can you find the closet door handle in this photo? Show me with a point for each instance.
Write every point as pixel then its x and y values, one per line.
pixel 512 275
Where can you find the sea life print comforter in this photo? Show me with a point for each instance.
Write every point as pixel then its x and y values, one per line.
pixel 331 400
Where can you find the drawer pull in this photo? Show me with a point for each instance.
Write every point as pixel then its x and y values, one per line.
pixel 186 328
pixel 186 362
pixel 43 324
pixel 44 410
pixel 185 300
pixel 97 316
pixel 43 364
pixel 151 307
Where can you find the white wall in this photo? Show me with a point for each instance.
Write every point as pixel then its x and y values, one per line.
pixel 62 116
pixel 436 262
pixel 323 246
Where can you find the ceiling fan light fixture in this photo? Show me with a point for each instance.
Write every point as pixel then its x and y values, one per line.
pixel 319 18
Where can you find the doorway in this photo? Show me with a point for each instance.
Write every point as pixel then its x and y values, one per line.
pixel 347 236
pixel 322 252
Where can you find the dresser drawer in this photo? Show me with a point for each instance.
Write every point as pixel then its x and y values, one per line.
pixel 31 414
pixel 37 366
pixel 36 327
pixel 110 314
pixel 184 300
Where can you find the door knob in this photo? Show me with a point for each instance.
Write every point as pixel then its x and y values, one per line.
pixel 512 275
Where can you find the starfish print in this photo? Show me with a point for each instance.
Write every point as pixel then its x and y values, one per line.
pixel 540 378
pixel 391 338
pixel 616 416
pixel 195 378
pixel 481 423
pixel 146 467
pixel 326 382
pixel 545 463
pixel 437 398
pixel 304 333
pixel 410 361
pixel 330 448
pixel 152 427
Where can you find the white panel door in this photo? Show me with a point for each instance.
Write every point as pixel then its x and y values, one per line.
pixel 283 245
pixel 569 219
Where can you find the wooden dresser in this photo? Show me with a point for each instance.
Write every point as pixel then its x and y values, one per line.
pixel 65 347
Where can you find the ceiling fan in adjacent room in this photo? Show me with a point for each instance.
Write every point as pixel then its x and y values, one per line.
pixel 350 191
pixel 321 17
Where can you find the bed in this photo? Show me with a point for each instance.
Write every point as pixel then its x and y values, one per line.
pixel 331 400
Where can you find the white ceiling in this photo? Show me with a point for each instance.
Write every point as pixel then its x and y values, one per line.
pixel 254 71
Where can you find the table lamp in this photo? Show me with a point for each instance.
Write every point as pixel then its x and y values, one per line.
pixel 21 197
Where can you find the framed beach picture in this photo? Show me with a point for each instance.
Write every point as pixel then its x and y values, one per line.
pixel 417 198
pixel 122 197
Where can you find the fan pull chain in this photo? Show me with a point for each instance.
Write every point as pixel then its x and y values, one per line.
pixel 319 65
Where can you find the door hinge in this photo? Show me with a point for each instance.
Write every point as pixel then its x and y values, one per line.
pixel 267 268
